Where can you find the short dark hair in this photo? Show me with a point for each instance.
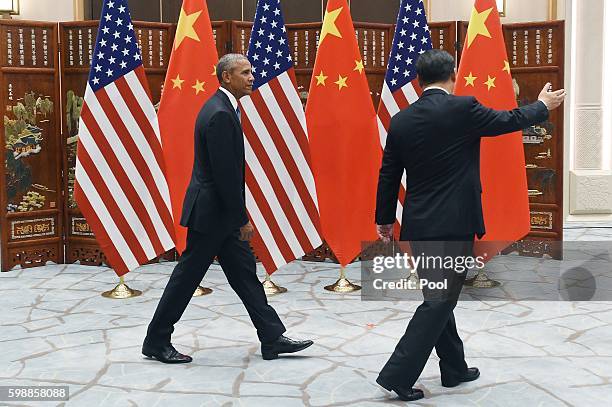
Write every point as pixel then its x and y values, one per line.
pixel 435 65
pixel 227 63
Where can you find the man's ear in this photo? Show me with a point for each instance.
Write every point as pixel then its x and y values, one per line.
pixel 454 77
pixel 225 77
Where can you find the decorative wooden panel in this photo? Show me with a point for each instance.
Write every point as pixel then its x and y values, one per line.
pixel 77 47
pixel 303 43
pixel 444 36
pixel 375 41
pixel 240 36
pixel 78 41
pixel 222 35
pixel 30 192
pixel 155 40
pixel 462 27
pixel 536 55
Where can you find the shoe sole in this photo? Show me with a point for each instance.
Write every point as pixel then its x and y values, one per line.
pixel 272 356
pixel 167 362
pixel 390 389
pixel 269 356
pixel 449 384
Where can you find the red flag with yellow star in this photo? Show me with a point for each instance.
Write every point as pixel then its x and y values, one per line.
pixel 485 73
pixel 190 81
pixel 343 136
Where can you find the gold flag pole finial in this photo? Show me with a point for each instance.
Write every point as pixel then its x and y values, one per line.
pixel 121 291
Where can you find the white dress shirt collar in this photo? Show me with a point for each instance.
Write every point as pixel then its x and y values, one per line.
pixel 435 87
pixel 231 97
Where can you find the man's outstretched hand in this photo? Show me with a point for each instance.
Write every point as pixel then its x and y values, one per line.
pixel 551 99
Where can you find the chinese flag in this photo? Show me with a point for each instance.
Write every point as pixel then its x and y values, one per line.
pixel 343 137
pixel 484 72
pixel 190 81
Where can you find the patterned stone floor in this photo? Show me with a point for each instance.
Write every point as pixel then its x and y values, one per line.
pixel 56 329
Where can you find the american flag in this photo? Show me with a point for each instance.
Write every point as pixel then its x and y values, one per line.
pixel 280 188
pixel 120 183
pixel 412 38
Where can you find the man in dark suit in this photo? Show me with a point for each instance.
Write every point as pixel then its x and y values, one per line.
pixel 437 142
pixel 215 214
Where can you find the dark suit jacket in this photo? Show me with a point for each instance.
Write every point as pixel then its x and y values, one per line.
pixel 215 201
pixel 437 141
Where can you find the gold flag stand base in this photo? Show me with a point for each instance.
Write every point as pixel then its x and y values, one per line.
pixel 121 291
pixel 200 291
pixel 414 281
pixel 343 285
pixel 270 288
pixel 481 281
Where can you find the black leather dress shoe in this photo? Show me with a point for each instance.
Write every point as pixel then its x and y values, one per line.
pixel 452 380
pixel 165 354
pixel 404 394
pixel 283 344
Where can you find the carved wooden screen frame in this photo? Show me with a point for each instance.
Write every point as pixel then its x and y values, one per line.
pixel 32 237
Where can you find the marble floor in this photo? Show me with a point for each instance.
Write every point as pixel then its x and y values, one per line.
pixel 56 329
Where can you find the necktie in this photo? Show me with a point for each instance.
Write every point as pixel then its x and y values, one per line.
pixel 238 114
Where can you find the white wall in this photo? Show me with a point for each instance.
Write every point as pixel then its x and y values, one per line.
pixel 46 10
pixel 607 88
pixel 590 172
pixel 516 10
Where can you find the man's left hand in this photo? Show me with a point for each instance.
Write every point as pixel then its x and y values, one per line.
pixel 246 232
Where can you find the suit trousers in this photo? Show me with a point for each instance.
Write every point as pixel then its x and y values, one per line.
pixel 433 323
pixel 238 263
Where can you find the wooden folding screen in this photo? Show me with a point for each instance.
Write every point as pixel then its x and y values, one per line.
pixel 444 36
pixel 536 52
pixel 222 35
pixel 30 192
pixel 536 56
pixel 77 46
pixel 38 180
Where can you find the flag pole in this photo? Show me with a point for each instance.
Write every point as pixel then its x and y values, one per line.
pixel 413 277
pixel 271 288
pixel 121 291
pixel 343 285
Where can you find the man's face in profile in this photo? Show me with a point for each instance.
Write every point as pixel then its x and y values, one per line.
pixel 240 78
